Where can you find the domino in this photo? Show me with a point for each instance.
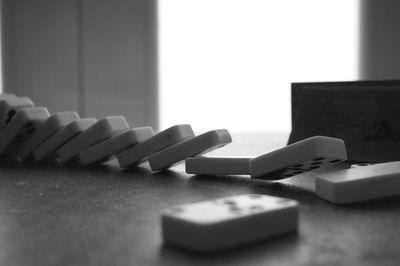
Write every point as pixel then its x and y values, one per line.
pixel 228 222
pixel 47 150
pixel 361 165
pixel 359 183
pixel 102 130
pixel 5 96
pixel 199 145
pixel 25 123
pixel 218 165
pixel 49 128
pixel 103 151
pixel 300 157
pixel 138 153
pixel 9 107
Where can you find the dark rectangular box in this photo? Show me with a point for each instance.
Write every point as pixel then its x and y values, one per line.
pixel 365 114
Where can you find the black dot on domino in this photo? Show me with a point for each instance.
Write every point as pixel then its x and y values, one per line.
pixel 335 161
pixel 319 159
pixel 316 163
pixel 234 209
pixel 314 167
pixel 229 202
pixel 19 138
pixel 31 130
pixel 10 115
pixel 28 125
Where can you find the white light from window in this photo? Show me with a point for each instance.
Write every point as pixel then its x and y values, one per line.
pixel 229 63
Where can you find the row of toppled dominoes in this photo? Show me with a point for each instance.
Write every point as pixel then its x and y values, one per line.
pixel 29 131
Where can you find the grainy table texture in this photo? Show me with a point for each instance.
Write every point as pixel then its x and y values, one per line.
pixel 103 215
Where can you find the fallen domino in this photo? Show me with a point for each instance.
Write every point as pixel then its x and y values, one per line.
pixel 228 222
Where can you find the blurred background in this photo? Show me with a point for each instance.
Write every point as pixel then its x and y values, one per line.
pixel 210 63
pixel 229 63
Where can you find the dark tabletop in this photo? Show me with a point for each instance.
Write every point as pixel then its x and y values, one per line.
pixel 50 215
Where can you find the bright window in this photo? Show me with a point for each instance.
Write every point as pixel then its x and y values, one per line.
pixel 229 63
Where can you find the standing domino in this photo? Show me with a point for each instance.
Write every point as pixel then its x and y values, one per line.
pixel 141 151
pixel 359 183
pixel 104 150
pixel 227 222
pixel 102 130
pixel 21 127
pixel 49 128
pixel 47 150
pixel 9 107
pixel 297 158
pixel 218 165
pixel 201 144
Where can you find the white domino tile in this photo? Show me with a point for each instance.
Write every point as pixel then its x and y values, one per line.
pixel 140 152
pixel 359 183
pixel 102 130
pixel 199 145
pixel 49 128
pixel 47 150
pixel 228 222
pixel 104 150
pixel 9 106
pixel 21 128
pixel 4 96
pixel 201 165
pixel 300 157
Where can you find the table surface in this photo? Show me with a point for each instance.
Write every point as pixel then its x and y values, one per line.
pixel 102 215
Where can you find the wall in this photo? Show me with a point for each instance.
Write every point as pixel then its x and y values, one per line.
pixel 380 39
pixel 95 56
